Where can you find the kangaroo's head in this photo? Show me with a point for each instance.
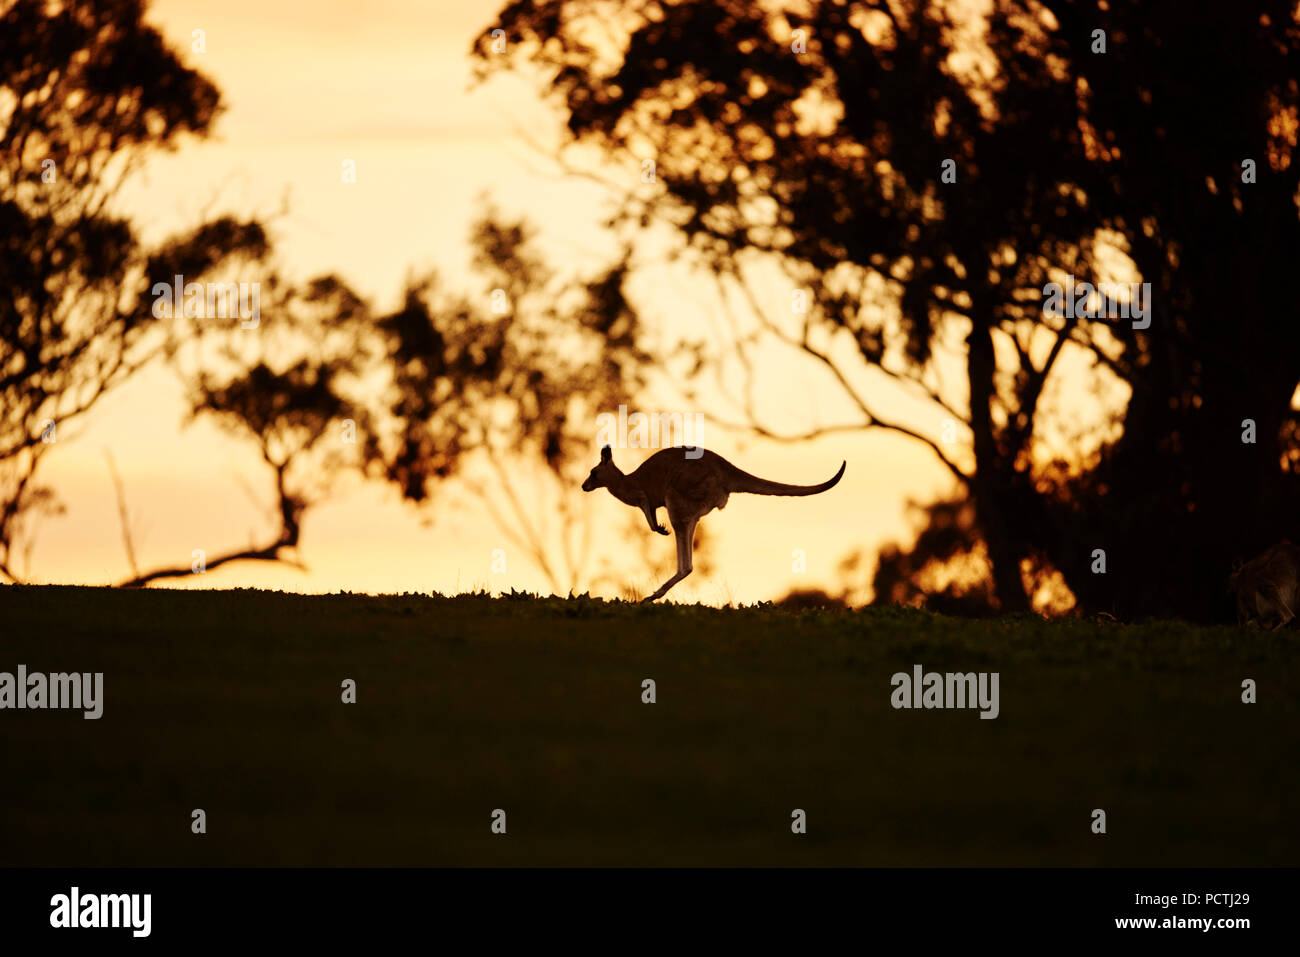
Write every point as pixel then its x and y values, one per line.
pixel 603 473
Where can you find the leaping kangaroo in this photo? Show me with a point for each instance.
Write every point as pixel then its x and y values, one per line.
pixel 690 483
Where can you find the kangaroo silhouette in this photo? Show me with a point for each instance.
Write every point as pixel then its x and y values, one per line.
pixel 689 486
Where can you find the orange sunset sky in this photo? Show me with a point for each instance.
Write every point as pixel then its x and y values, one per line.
pixel 387 84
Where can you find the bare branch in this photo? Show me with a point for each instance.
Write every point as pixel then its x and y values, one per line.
pixel 291 510
pixel 124 517
pixel 871 418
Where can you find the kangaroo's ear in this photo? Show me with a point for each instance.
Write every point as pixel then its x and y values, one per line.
pixel 606 454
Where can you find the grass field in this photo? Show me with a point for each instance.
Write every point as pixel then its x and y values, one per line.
pixel 231 702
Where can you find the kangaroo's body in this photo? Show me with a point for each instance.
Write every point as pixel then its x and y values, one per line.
pixel 1268 587
pixel 689 483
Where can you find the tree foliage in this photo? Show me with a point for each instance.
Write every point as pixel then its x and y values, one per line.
pixel 925 172
pixel 320 382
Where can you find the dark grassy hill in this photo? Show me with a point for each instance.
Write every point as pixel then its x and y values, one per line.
pixel 230 702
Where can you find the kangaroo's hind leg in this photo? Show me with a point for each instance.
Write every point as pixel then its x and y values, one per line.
pixel 685 530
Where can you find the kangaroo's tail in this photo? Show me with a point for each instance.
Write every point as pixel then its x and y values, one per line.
pixel 742 481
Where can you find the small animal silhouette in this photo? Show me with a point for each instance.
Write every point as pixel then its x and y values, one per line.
pixel 690 483
pixel 1268 587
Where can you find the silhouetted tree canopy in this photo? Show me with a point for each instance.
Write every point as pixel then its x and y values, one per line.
pixel 325 385
pixel 1104 141
pixel 319 382
pixel 86 90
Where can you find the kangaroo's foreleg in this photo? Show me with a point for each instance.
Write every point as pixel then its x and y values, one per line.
pixel 649 511
pixel 685 546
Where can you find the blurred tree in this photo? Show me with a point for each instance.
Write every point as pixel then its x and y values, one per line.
pixel 515 374
pixel 292 385
pixel 319 384
pixel 922 171
pixel 1197 169
pixel 86 91
pixel 510 377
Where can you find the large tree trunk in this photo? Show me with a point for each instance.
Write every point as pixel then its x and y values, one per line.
pixel 992 485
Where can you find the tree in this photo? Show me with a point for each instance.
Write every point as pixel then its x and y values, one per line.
pixel 319 382
pixel 86 91
pixel 924 175
pixel 292 386
pixel 1197 168
pixel 323 385
pixel 515 374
